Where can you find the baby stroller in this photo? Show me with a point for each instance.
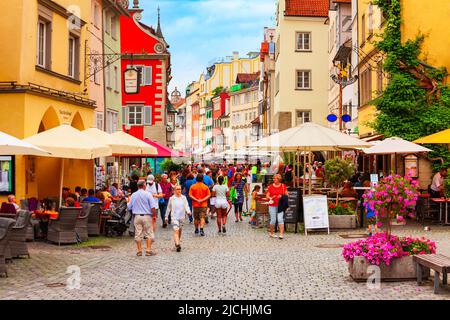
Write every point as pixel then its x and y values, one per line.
pixel 116 226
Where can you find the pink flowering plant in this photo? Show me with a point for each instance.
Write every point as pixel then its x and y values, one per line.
pixel 381 248
pixel 395 196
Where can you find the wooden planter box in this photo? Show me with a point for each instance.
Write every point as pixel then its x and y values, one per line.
pixel 342 222
pixel 401 269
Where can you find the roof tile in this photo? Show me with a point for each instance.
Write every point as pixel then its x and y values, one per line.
pixel 307 8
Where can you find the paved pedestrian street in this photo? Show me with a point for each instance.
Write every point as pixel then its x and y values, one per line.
pixel 243 264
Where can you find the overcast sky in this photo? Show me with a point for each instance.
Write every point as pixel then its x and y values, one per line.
pixel 199 31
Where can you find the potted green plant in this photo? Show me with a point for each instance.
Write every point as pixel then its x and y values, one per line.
pixel 337 171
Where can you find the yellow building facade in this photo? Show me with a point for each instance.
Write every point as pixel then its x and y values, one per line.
pixel 42 85
pixel 221 74
pixel 417 16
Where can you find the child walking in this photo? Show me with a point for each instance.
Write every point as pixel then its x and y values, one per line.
pixel 255 192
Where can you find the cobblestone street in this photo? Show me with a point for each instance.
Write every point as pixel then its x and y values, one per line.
pixel 243 264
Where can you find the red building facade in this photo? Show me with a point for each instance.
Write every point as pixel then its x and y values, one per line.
pixel 144 114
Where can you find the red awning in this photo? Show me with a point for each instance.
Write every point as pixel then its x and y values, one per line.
pixel 163 151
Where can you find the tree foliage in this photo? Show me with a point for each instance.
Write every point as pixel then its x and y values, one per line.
pixel 416 102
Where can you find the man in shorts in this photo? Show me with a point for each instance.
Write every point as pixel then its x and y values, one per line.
pixel 199 194
pixel 178 206
pixel 143 206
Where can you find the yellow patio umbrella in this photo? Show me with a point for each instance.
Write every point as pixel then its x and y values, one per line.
pixel 66 142
pixel 442 137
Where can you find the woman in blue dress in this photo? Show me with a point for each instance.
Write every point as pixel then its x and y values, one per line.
pixel 241 189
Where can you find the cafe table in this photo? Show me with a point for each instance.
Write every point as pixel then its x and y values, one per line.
pixel 47 214
pixel 441 201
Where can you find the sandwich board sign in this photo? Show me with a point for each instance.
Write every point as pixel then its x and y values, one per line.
pixel 315 211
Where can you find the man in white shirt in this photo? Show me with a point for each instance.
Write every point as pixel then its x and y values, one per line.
pixel 437 185
pixel 157 193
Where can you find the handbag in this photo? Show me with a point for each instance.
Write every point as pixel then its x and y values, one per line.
pixel 283 204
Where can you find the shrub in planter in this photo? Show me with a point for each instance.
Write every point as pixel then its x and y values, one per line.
pixel 340 209
pixel 382 248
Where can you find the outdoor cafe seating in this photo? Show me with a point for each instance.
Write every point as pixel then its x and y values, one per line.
pixel 81 226
pixel 5 228
pixel 62 229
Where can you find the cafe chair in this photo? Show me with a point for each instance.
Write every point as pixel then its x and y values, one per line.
pixel 7 210
pixel 93 219
pixel 24 204
pixel 62 229
pixel 18 238
pixel 81 227
pixel 33 204
pixel 5 232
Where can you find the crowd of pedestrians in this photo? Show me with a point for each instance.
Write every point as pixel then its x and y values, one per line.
pixel 197 194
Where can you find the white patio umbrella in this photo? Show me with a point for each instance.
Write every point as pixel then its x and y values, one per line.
pixel 66 142
pixel 121 138
pixel 395 146
pixel 309 137
pixel 10 145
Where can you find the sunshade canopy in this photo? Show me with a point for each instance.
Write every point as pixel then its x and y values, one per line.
pixel 312 137
pixel 395 146
pixel 436 138
pixel 118 147
pixel 123 138
pixel 163 151
pixel 10 145
pixel 69 143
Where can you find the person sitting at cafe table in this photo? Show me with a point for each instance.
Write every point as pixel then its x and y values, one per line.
pixel 66 193
pixel 348 191
pixel 83 194
pixel 77 193
pixel 91 197
pixel 12 199
pixel 437 185
pixel 70 202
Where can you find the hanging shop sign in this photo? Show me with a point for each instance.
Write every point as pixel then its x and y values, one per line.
pixel 132 81
pixel 332 117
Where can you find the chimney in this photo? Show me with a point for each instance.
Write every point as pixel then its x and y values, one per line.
pixel 235 55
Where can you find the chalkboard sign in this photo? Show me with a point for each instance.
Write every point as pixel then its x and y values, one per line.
pixel 291 215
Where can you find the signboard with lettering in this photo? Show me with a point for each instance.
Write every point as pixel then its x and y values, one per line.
pixel 292 213
pixel 315 212
pixel 131 81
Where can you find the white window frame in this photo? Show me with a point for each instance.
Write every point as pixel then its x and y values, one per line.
pixel 300 37
pixel 44 44
pixel 116 78
pixel 108 76
pixel 133 111
pixel 113 26
pixel 302 86
pixel 72 55
pixel 303 112
pixel 144 70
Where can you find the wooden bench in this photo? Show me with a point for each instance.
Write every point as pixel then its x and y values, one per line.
pixel 437 262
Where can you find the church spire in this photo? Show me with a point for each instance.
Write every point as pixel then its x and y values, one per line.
pixel 158 29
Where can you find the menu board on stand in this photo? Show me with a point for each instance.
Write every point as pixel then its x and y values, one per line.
pixel 100 177
pixel 315 211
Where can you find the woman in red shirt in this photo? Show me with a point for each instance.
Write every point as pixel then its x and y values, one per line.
pixel 274 194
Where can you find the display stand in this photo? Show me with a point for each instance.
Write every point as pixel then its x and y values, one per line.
pixel 315 211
